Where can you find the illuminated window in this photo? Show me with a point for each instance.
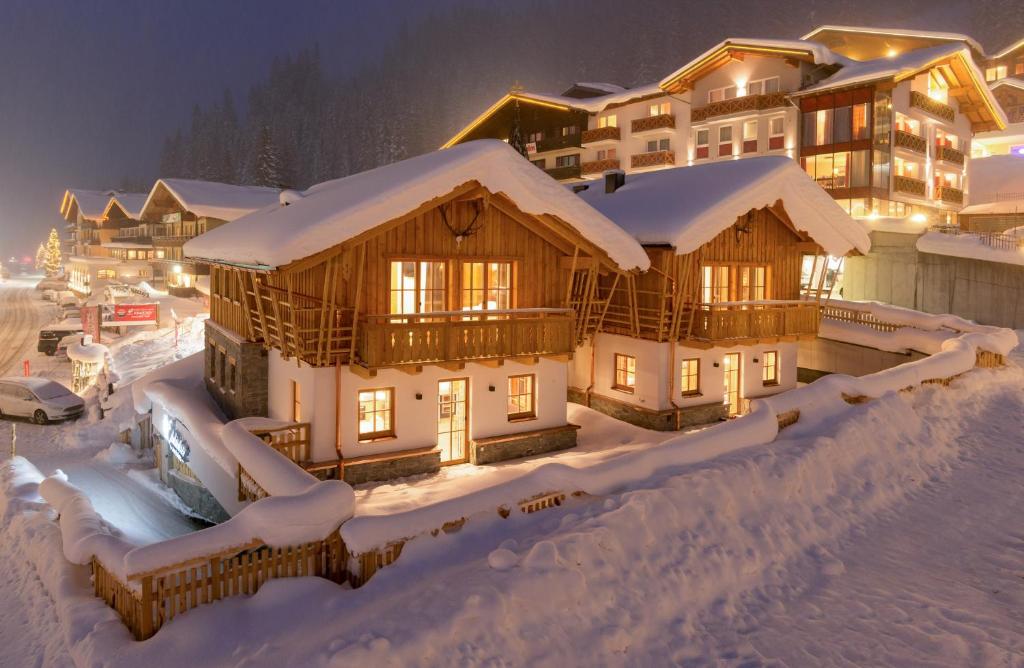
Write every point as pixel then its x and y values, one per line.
pixel 770 368
pixel 689 383
pixel 535 137
pixel 569 130
pixel 609 121
pixel 997 72
pixel 521 397
pixel 719 94
pixel 938 89
pixel 763 86
pixel 654 145
pixel 376 413
pixel 486 286
pixel 752 283
pixel 702 140
pixel 750 137
pixel 625 373
pixel 296 402
pixel 715 287
pixel 660 109
pixel 776 133
pixel 417 287
pixel 606 154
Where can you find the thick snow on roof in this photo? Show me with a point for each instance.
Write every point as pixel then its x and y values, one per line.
pixel 130 203
pixel 1011 48
pixel 597 104
pixel 1003 208
pixel 217 200
pixel 334 211
pixel 92 203
pixel 1008 81
pixel 822 54
pixel 887 68
pixel 997 176
pixel 688 206
pixel 606 87
pixel 900 32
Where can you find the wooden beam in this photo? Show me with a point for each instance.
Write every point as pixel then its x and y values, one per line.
pixel 528 360
pixel 492 363
pixel 559 357
pixel 452 366
pixel 411 369
pixel 362 371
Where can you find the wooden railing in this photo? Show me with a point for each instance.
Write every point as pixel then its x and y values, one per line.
pixel 990 239
pixel 856 317
pixel 177 240
pixel 598 166
pixel 910 141
pixel 737 105
pixel 652 159
pixel 150 600
pixel 933 107
pixel 949 154
pixel 453 336
pixel 248 489
pixel 648 123
pixel 949 194
pixel 562 173
pixel 291 440
pixel 909 185
pixel 717 322
pixel 601 134
pixel 558 142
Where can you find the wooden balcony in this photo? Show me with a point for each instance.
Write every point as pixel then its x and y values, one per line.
pixel 562 173
pixel 933 107
pixel 653 159
pixel 910 141
pixel 738 105
pixel 754 320
pixel 450 337
pixel 908 185
pixel 949 194
pixel 598 166
pixel 601 135
pixel 558 142
pixel 653 123
pixel 170 241
pixel 949 154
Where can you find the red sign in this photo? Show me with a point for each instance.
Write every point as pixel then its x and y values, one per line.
pixel 26 368
pixel 91 321
pixel 135 313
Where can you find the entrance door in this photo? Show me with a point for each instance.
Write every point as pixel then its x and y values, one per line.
pixel 452 424
pixel 732 382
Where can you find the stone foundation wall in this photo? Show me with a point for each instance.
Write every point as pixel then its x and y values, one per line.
pixel 197 497
pixel 689 416
pixel 249 398
pixel 516 446
pixel 375 469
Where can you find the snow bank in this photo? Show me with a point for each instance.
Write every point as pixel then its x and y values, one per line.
pixel 273 471
pixel 335 211
pixel 92 353
pixel 970 246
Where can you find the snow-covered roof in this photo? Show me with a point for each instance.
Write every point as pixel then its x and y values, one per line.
pixel 1008 81
pixel 335 211
pixel 687 207
pixel 130 203
pixel 819 53
pixel 609 88
pixel 92 203
pixel 998 208
pixel 215 200
pixel 899 32
pixel 1010 49
pixel 901 66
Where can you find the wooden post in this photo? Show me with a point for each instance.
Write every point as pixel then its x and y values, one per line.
pixel 146 628
pixel 244 295
pixel 358 301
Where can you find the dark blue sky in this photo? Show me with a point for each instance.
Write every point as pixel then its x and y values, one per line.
pixel 89 88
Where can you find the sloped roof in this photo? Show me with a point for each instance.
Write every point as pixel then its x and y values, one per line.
pixel 335 211
pixel 92 203
pixel 215 200
pixel 899 32
pixel 687 207
pixel 130 203
pixel 1010 49
pixel 1013 82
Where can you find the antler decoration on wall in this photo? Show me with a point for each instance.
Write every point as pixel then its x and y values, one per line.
pixel 746 227
pixel 480 205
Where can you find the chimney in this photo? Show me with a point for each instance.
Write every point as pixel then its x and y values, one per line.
pixel 613 180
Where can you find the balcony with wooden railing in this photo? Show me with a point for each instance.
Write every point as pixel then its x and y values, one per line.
pixel 653 123
pixel 598 166
pixel 933 107
pixel 563 173
pixel 168 241
pixel 464 336
pixel 738 105
pixel 949 194
pixel 909 185
pixel 291 440
pixel 910 142
pixel 949 154
pixel 653 159
pixel 754 320
pixel 558 142
pixel 601 135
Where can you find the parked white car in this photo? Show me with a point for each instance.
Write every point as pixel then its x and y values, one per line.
pixel 40 399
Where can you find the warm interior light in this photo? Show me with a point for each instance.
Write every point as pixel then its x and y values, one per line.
pixel 892 53
pixel 176 269
pixel 918 218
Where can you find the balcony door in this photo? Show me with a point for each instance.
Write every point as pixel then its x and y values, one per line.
pixel 453 420
pixel 731 365
pixel 417 287
pixel 486 286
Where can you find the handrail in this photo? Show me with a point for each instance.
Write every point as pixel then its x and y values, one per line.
pixel 468 313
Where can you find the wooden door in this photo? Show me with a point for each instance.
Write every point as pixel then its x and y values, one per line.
pixel 732 382
pixel 452 420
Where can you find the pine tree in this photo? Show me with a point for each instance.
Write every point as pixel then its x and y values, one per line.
pixel 41 256
pixel 269 169
pixel 51 257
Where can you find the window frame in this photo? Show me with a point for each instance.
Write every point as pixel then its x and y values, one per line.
pixel 390 432
pixel 774 367
pixel 530 414
pixel 487 287
pixel 418 290
pixel 685 366
pixel 629 360
pixel 296 402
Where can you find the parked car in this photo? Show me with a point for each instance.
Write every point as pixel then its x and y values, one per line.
pixel 40 399
pixel 51 335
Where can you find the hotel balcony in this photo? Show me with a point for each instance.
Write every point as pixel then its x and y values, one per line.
pixel 601 136
pixel 654 159
pixel 910 142
pixel 933 107
pixel 562 173
pixel 649 124
pixel 738 105
pixel 170 241
pixel 559 142
pixel 909 185
pixel 736 320
pixel 950 155
pixel 949 195
pixel 598 166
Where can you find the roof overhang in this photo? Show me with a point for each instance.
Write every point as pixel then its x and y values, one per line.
pixel 525 98
pixel 683 79
pixel 966 85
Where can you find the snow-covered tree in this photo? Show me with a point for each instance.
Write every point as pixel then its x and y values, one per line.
pixel 51 257
pixel 41 256
pixel 269 169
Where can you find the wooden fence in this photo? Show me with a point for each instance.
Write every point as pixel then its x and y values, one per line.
pixel 856 317
pixel 292 440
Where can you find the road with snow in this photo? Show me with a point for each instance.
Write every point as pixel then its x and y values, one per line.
pixel 21 315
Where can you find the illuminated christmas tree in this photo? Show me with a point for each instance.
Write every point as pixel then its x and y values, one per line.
pixel 51 257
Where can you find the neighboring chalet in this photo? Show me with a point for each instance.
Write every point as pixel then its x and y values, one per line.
pixel 1010 94
pixel 741 252
pixel 997 199
pixel 1008 63
pixel 419 314
pixel 177 210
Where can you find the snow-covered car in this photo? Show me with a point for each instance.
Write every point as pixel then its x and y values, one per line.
pixel 40 399
pixel 52 283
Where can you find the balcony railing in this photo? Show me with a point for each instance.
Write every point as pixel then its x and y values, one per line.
pixel 601 135
pixel 562 173
pixel 170 241
pixel 910 141
pixel 933 107
pixel 598 166
pixel 949 194
pixel 558 142
pixel 451 336
pixel 949 154
pixel 132 239
pixel 908 185
pixel 738 105
pixel 754 320
pixel 653 159
pixel 651 123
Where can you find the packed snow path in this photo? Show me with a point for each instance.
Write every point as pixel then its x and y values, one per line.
pixel 21 316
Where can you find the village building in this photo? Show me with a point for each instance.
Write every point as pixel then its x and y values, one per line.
pixel 420 314
pixel 997 199
pixel 176 210
pixel 741 253
pixel 1008 63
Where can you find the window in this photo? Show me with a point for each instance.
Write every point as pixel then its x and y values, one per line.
pixel 752 284
pixel 1018 68
pixel 609 121
pixel 725 140
pixel 654 145
pixel 567 160
pixel 521 397
pixel 376 414
pixel 703 138
pixel 211 360
pixel 625 373
pixel 997 72
pixel 776 133
pixel 569 130
pixel 486 286
pixel 938 89
pixel 660 109
pixel 417 287
pixel 838 170
pixel 770 368
pixel 842 124
pixel 606 154
pixel 689 383
pixel 542 163
pixel 221 357
pixel 296 402
pixel 719 94
pixel 231 374
pixel 715 287
pixel 763 86
pixel 535 137
pixel 861 129
pixel 750 137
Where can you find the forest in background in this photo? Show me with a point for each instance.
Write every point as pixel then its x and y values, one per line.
pixel 302 125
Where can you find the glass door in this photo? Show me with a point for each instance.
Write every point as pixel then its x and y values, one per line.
pixel 732 382
pixel 452 422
